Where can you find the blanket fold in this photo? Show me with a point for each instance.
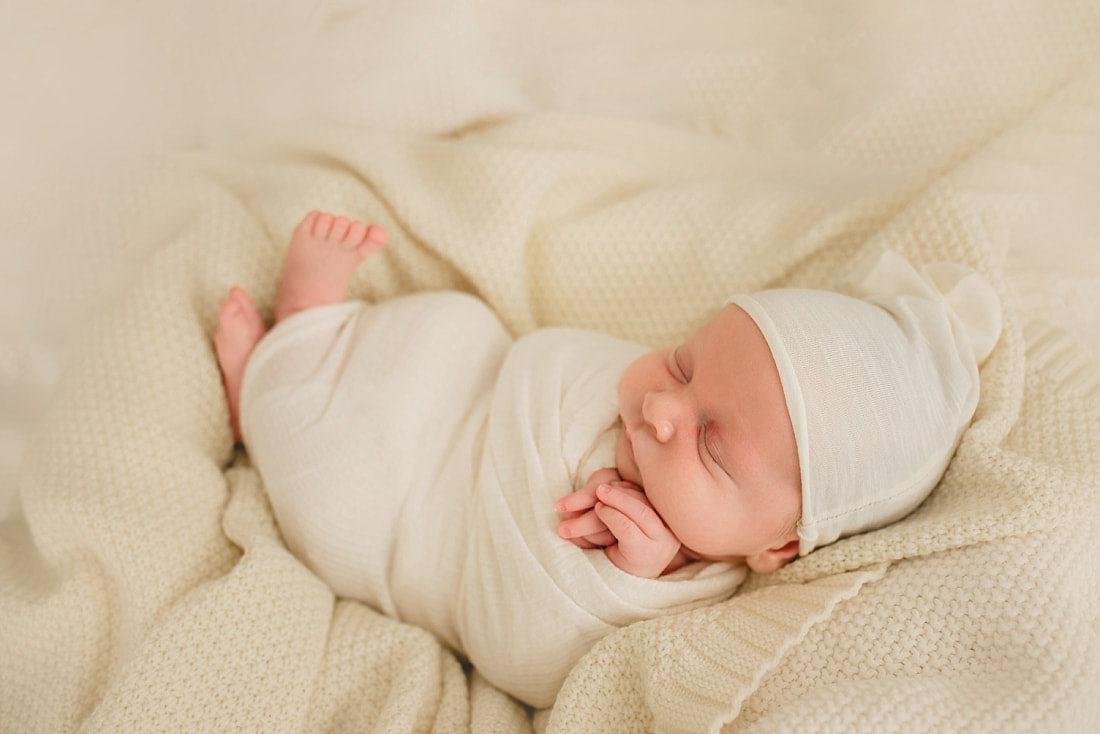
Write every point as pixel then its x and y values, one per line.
pixel 696 682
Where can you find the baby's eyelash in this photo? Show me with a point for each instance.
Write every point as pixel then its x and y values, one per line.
pixel 704 448
pixel 680 365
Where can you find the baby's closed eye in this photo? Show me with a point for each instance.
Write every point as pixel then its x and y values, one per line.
pixel 680 366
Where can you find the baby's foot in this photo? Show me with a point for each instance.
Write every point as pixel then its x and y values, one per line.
pixel 323 255
pixel 240 329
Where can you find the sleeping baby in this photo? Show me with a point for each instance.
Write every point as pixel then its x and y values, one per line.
pixel 523 498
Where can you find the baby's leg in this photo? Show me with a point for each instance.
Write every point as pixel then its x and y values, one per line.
pixel 323 255
pixel 240 329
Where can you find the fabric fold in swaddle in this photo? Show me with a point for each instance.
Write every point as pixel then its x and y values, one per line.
pixel 413 454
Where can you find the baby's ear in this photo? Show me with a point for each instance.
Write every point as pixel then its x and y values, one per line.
pixel 773 558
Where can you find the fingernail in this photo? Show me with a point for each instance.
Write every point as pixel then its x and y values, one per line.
pixel 564 532
pixel 603 489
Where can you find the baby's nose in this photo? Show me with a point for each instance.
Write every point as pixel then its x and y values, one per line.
pixel 660 410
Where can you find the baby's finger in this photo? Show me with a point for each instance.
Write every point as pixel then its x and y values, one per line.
pixel 584 543
pixel 625 530
pixel 636 553
pixel 632 503
pixel 581 526
pixel 601 476
pixel 578 501
pixel 600 540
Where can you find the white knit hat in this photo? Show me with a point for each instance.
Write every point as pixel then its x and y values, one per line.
pixel 879 387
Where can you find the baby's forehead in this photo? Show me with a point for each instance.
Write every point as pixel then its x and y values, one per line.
pixel 730 329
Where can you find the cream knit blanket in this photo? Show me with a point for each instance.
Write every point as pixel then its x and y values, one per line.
pixel 148 588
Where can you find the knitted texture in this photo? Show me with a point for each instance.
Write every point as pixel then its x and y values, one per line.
pixel 147 588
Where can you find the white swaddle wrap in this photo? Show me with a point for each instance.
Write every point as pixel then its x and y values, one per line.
pixel 413 453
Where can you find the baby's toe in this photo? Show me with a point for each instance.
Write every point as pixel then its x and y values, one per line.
pixel 305 227
pixel 322 225
pixel 357 232
pixel 377 235
pixel 374 237
pixel 340 227
pixel 230 309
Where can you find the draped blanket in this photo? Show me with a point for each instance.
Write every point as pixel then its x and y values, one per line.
pixel 633 167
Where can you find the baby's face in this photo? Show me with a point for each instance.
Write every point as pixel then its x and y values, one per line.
pixel 707 435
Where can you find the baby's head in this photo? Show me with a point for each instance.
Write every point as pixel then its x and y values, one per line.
pixel 793 418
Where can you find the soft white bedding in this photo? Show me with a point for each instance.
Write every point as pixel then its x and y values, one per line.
pixel 618 166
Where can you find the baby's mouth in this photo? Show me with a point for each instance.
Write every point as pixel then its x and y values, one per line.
pixel 627 462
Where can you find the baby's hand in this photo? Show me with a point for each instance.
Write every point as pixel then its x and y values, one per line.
pixel 581 526
pixel 611 513
pixel 644 544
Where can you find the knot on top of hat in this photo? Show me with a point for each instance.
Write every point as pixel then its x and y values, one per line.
pixel 971 302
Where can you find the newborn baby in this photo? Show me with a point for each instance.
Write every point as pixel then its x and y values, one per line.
pixel 706 466
pixel 523 498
